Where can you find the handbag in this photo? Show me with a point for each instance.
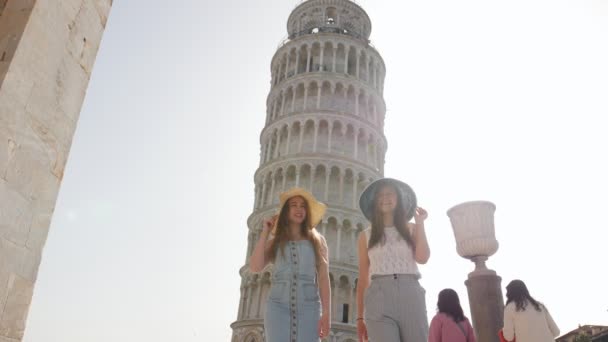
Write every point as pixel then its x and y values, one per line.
pixel 463 331
pixel 502 337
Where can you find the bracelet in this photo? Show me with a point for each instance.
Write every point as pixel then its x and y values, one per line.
pixel 359 318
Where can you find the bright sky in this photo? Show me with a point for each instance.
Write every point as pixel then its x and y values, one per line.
pixel 497 100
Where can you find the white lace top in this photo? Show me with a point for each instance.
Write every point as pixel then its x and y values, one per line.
pixel 395 256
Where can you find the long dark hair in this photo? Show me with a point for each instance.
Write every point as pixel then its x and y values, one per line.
pixel 518 293
pixel 281 238
pixel 449 304
pixel 377 234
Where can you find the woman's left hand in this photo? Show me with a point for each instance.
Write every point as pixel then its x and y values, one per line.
pixel 324 326
pixel 420 215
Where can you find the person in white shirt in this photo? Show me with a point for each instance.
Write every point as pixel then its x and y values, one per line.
pixel 392 307
pixel 525 319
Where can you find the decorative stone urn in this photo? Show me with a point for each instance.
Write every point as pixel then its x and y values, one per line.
pixel 473 227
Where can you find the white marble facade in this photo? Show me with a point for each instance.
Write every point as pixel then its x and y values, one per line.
pixel 324 132
pixel 47 51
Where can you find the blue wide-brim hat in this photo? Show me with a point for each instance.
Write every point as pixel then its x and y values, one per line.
pixel 408 197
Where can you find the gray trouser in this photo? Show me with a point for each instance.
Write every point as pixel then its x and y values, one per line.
pixel 395 310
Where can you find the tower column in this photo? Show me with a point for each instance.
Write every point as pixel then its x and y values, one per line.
pixel 355 154
pixel 268 149
pixel 262 201
pixel 316 134
pixel 321 66
pixel 333 63
pixel 357 67
pixel 288 142
pixel 284 181
pixel 327 177
pixel 354 191
pixel 367 71
pixel 282 104
pixel 302 129
pixel 341 186
pixel 338 249
pixel 258 308
pixel 331 128
pixel 346 54
pixel 350 302
pixel 278 147
pixel 308 59
pixel 319 96
pixel 357 103
pixel 271 199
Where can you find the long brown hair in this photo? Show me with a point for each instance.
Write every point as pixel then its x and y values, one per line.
pixel 306 229
pixel 377 234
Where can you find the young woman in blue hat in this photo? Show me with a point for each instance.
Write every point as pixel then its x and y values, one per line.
pixel 390 300
pixel 297 309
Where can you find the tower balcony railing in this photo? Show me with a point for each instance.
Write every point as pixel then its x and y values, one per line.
pixel 302 1
pixel 328 28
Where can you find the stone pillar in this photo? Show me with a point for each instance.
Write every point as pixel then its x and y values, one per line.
pixel 473 226
pixel 47 52
pixel 486 304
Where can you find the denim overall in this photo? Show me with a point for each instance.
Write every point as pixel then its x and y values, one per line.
pixel 293 307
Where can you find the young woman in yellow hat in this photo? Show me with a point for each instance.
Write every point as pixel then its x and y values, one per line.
pixel 297 308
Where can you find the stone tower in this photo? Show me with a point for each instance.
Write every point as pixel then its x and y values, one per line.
pixel 47 51
pixel 323 132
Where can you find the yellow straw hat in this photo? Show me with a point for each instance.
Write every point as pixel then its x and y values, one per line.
pixel 316 209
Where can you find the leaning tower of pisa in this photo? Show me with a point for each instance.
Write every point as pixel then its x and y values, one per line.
pixel 323 132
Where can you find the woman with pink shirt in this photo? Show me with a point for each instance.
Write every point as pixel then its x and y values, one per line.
pixel 450 324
